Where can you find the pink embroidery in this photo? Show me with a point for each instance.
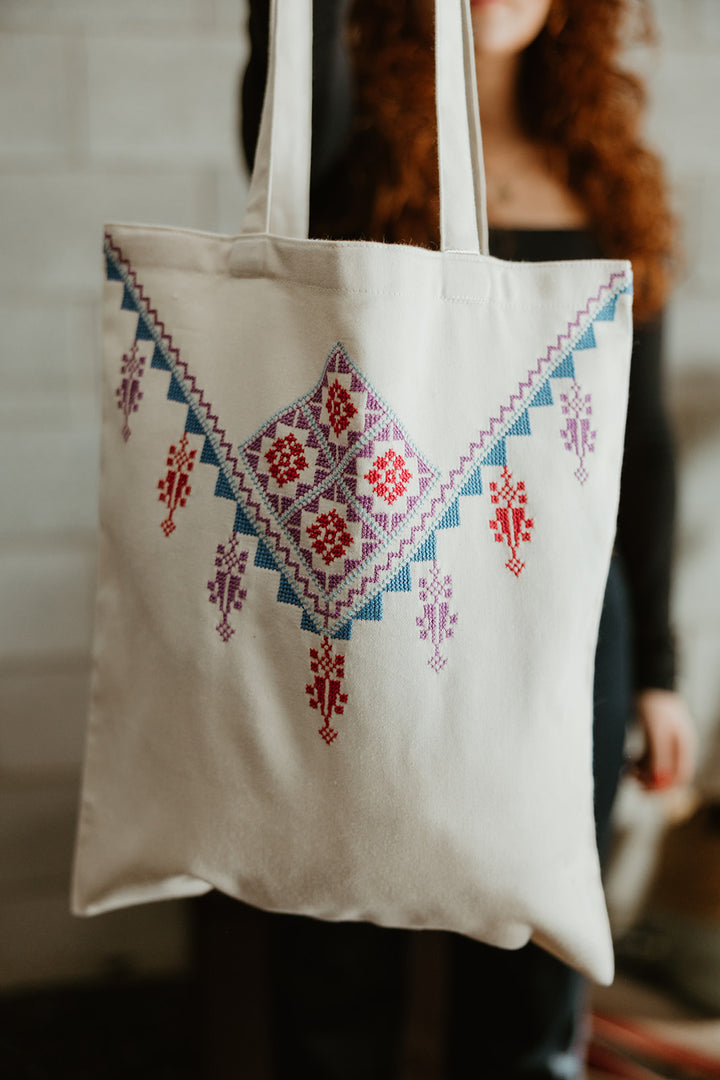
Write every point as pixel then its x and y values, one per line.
pixel 335 611
pixel 175 489
pixel 389 476
pixel 510 522
pixel 339 407
pixel 225 590
pixel 577 407
pixel 329 536
pixel 324 691
pixel 287 459
pixel 436 625
pixel 128 392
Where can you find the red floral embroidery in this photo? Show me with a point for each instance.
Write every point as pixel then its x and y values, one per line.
pixel 339 406
pixel 324 692
pixel 225 590
pixel 175 489
pixel 329 535
pixel 510 523
pixel 389 476
pixel 128 392
pixel 287 459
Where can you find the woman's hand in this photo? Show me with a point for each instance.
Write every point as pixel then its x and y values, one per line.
pixel 670 743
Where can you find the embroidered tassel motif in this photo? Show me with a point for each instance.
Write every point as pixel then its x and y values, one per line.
pixel 579 439
pixel 128 392
pixel 175 489
pixel 225 590
pixel 436 625
pixel 325 694
pixel 510 524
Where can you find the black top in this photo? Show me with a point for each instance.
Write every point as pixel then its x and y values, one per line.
pixel 647 496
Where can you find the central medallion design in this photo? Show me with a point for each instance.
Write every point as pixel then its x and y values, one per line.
pixel 340 484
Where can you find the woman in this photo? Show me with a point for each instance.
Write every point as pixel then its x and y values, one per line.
pixel 567 178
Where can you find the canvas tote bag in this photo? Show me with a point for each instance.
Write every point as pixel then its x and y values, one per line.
pixel 357 511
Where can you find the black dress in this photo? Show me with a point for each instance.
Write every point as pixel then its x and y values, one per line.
pixel 340 988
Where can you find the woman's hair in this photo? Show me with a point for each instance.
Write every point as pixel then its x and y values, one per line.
pixel 574 98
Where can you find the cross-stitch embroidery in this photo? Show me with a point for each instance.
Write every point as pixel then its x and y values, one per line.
pixel 389 476
pixel 577 408
pixel 330 536
pixel 225 589
pixel 339 407
pixel 324 692
pixel 510 523
pixel 286 458
pixel 128 393
pixel 174 488
pixel 384 541
pixel 437 622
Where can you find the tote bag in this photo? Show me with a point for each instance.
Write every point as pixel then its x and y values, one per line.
pixel 357 512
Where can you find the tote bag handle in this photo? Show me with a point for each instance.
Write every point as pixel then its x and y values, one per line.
pixel 278 201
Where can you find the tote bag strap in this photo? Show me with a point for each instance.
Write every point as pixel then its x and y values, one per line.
pixel 279 197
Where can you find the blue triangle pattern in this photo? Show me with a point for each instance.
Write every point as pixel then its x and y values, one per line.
pixel 286 595
pixel 263 556
pixel 242 521
pixel 128 300
pixel 175 391
pixel 144 333
pixel 208 456
pixel 497 455
pixel 608 312
pixel 543 396
pixel 372 610
pixel 159 361
pixel 473 484
pixel 451 517
pixel 223 489
pixel 402 582
pixel 565 369
pixel 308 624
pixel 193 425
pixel 427 551
pixel 587 341
pixel 111 270
pixel 521 425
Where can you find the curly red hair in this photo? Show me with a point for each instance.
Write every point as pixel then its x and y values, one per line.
pixel 574 98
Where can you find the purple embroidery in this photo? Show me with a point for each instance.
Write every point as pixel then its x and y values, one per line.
pixel 392 541
pixel 436 625
pixel 510 524
pixel 128 392
pixel 579 439
pixel 225 590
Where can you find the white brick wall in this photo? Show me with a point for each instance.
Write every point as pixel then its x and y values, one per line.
pixel 125 111
pixel 107 112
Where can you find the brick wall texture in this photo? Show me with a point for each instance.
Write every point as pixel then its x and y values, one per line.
pixel 127 112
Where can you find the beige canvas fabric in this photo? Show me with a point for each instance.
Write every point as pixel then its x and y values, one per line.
pixel 358 505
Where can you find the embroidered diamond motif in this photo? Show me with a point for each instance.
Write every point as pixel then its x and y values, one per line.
pixel 286 459
pixel 340 408
pixel 325 523
pixel 329 535
pixel 389 476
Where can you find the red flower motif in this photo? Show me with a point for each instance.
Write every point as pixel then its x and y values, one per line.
pixel 287 459
pixel 329 536
pixel 340 407
pixel 389 476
